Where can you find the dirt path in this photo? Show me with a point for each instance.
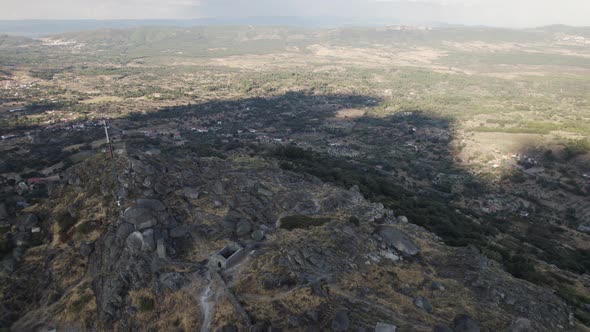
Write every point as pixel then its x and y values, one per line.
pixel 207 300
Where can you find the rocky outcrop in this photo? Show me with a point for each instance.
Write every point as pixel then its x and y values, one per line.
pixel 146 213
pixel 86 249
pixel 361 268
pixel 135 243
pixel 258 235
pixel 3 211
pixel 382 327
pixel 179 231
pixel 140 217
pixel 522 325
pixel 464 323
pixel 26 222
pixel 243 228
pixel 340 322
pixel 423 303
pixel 191 193
pixel 397 239
pixel 115 270
pixel 584 228
pixel 494 287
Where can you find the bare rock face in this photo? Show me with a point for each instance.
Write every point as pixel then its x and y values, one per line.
pixel 27 221
pixel 114 271
pixel 3 211
pixel 146 213
pixel 584 228
pixel 86 249
pixel 244 227
pixel 151 204
pixel 382 327
pixel 162 189
pixel 522 325
pixel 122 231
pixel 172 281
pixel 442 328
pixel 135 242
pixel 397 239
pixel 258 235
pixel 423 303
pixel 464 323
pixel 437 286
pixel 149 240
pixel 494 287
pixel 191 193
pixel 179 231
pixel 340 322
pixel 140 217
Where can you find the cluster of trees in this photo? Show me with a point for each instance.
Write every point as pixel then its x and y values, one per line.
pixel 428 210
pixel 576 148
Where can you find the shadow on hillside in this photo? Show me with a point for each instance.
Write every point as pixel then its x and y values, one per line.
pixel 406 161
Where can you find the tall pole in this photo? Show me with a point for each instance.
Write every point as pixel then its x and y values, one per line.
pixel 118 189
pixel 106 132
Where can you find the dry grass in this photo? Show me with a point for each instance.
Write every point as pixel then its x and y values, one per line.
pixel 69 269
pixel 351 113
pixel 225 314
pixel 79 307
pixel 268 308
pixel 170 311
pixel 301 300
pixel 102 99
pixel 207 205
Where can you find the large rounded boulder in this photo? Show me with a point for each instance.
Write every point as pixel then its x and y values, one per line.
pixel 397 239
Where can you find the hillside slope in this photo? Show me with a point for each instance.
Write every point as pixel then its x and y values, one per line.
pixel 313 256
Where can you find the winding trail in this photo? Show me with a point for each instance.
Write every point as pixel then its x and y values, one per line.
pixel 216 288
pixel 234 300
pixel 207 300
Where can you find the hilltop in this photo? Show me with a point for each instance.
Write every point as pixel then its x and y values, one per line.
pixel 316 256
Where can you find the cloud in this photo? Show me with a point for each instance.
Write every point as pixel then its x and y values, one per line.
pixel 483 12
pixel 96 9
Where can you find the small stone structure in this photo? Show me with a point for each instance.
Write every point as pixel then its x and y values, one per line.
pixel 227 256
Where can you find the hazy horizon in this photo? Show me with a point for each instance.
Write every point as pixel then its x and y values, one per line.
pixel 498 13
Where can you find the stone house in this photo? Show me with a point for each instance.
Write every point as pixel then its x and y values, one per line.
pixel 227 256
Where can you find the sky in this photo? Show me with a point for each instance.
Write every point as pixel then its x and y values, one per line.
pixel 508 13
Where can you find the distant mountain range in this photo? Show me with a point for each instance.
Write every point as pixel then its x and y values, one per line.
pixel 36 28
pixel 40 28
